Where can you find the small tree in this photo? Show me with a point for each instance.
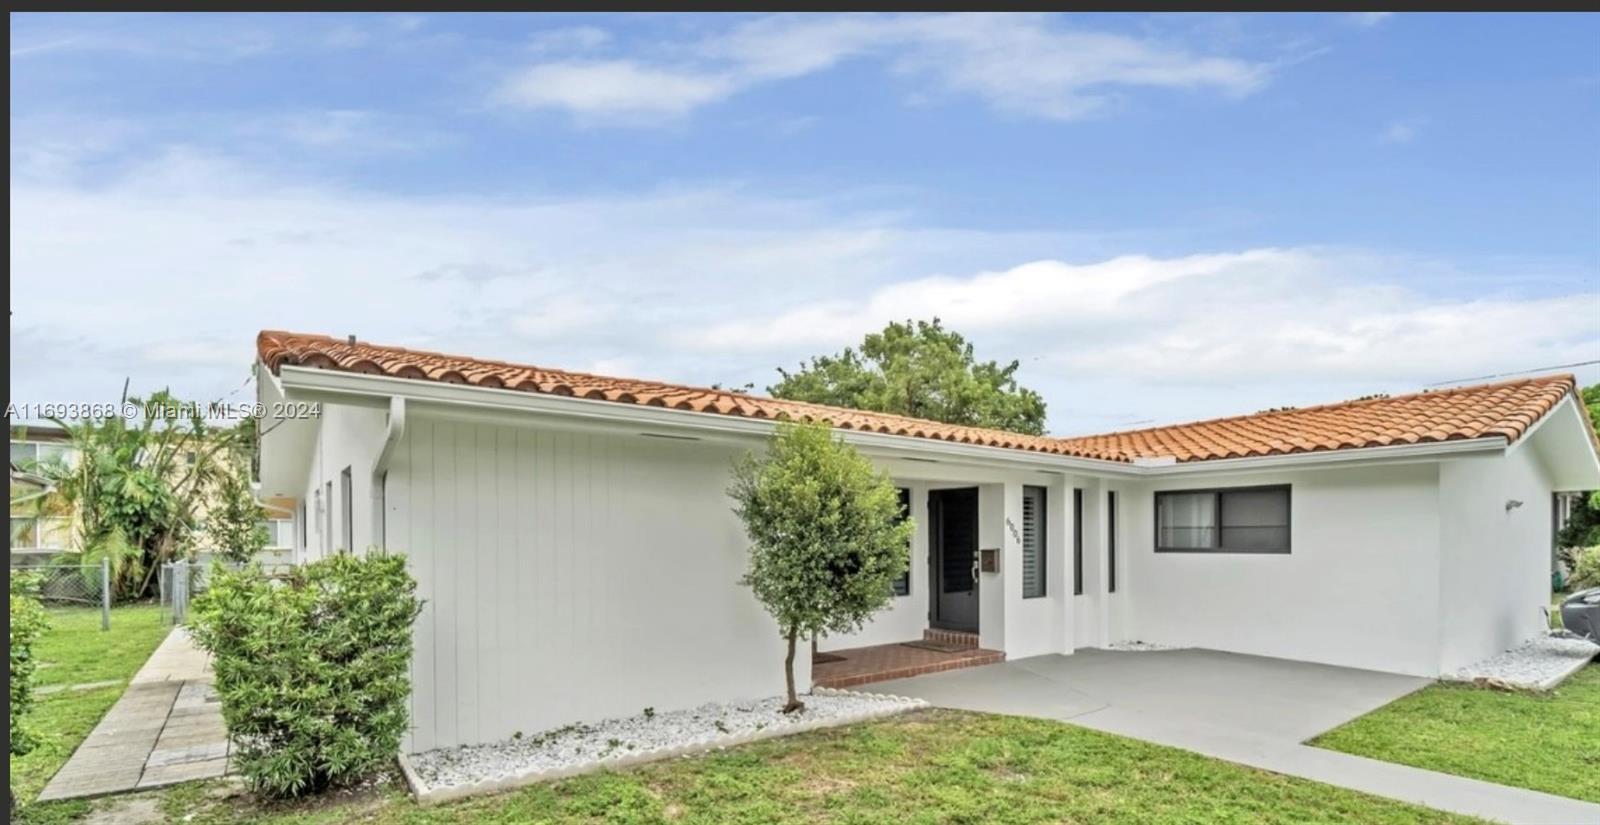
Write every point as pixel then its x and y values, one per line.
pixel 234 522
pixel 827 539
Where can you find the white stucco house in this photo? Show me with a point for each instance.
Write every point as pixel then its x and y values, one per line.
pixel 573 540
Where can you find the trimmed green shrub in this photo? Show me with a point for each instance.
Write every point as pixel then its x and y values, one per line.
pixel 1585 568
pixel 312 670
pixel 28 620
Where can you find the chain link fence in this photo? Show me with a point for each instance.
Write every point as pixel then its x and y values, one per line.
pixel 180 581
pixel 84 586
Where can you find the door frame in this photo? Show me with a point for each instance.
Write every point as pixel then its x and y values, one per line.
pixel 936 559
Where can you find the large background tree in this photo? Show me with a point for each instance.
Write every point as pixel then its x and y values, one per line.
pixel 140 486
pixel 827 539
pixel 922 370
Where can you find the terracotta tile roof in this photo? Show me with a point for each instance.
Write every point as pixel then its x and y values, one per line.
pixel 1503 410
pixel 278 348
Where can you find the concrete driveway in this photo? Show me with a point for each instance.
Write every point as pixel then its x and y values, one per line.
pixel 1189 689
pixel 1246 709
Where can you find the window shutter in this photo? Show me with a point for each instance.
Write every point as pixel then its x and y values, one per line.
pixel 1033 543
pixel 902 585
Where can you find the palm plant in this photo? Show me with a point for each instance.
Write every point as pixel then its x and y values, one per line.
pixel 138 486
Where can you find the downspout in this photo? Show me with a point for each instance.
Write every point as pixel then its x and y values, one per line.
pixel 380 468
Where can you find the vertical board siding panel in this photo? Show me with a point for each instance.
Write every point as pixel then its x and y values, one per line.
pixel 606 564
pixel 506 577
pixel 415 477
pixel 525 547
pixel 467 580
pixel 446 541
pixel 561 627
pixel 583 561
pixel 491 664
pixel 544 479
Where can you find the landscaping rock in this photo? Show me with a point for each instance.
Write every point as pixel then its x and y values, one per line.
pixel 1539 664
pixel 568 750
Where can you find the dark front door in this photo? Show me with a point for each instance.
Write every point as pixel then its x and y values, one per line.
pixel 953 530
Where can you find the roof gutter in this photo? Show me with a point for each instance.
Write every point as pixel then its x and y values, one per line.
pixel 395 430
pixel 377 390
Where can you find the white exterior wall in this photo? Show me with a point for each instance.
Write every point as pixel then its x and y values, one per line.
pixel 906 616
pixel 1006 621
pixel 1495 575
pixel 1360 587
pixel 571 577
pixel 346 437
pixel 1088 619
pixel 1042 624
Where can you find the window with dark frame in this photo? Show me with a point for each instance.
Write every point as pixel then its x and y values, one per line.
pixel 1227 520
pixel 348 509
pixel 1111 541
pixel 1035 523
pixel 902 585
pixel 303 527
pixel 1077 542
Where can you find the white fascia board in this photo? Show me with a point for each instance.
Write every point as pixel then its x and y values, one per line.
pixel 1394 453
pixel 376 390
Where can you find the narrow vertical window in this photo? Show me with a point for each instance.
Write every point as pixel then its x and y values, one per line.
pixel 1077 542
pixel 347 509
pixel 1111 541
pixel 902 585
pixel 1034 524
pixel 383 512
pixel 326 508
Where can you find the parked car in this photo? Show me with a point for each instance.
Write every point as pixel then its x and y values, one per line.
pixel 1580 614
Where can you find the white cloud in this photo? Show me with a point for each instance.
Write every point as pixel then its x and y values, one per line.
pixel 1369 19
pixel 611 88
pixel 1261 317
pixel 569 39
pixel 1025 64
pixel 165 275
pixel 1401 131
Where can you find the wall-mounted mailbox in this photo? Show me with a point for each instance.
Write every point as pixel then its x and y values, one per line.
pixel 989 560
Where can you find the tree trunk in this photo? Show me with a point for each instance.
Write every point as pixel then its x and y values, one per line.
pixel 794 704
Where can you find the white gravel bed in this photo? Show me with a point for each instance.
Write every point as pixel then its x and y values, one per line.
pixel 1538 664
pixel 1139 647
pixel 450 773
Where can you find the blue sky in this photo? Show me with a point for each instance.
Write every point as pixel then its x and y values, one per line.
pixel 1164 217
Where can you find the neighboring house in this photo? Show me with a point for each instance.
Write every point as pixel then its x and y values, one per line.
pixel 576 549
pixel 41 524
pixel 40 528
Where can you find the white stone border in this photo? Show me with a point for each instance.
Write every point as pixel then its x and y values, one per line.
pixel 427 796
pixel 1549 684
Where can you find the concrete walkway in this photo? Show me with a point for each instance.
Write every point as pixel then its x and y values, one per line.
pixel 1245 709
pixel 166 728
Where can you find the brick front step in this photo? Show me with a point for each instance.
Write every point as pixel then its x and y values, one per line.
pixel 852 674
pixel 951 637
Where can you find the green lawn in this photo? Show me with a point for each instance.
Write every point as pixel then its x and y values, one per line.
pixel 925 767
pixel 1547 742
pixel 76 651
